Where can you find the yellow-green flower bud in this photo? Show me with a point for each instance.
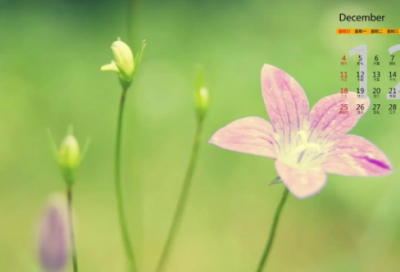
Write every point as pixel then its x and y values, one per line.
pixel 202 96
pixel 69 153
pixel 69 157
pixel 124 63
pixel 202 101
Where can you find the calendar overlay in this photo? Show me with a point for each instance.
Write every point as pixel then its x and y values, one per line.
pixel 368 31
pixel 389 77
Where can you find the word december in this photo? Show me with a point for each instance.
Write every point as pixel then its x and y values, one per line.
pixel 361 18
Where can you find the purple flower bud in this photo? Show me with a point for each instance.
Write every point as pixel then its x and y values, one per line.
pixel 53 243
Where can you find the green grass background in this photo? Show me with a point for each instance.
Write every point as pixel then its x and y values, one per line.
pixel 50 58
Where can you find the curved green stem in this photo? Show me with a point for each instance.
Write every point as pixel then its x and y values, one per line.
pixel 118 189
pixel 71 230
pixel 268 247
pixel 177 219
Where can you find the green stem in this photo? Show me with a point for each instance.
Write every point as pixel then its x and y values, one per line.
pixel 118 189
pixel 71 230
pixel 177 219
pixel 268 247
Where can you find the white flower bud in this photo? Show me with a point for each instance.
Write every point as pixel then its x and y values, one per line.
pixel 123 63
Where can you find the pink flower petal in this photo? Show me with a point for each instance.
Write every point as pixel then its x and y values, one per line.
pixel 326 120
pixel 355 156
pixel 301 183
pixel 53 243
pixel 285 100
pixel 251 135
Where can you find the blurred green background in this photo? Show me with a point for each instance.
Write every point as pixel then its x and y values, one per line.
pixel 50 58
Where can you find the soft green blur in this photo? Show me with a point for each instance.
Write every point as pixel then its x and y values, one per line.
pixel 50 58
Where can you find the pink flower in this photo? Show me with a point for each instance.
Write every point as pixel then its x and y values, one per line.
pixel 53 244
pixel 306 145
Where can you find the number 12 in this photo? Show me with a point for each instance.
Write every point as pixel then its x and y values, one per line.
pixel 362 50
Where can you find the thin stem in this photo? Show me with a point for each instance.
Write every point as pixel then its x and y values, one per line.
pixel 71 230
pixel 177 219
pixel 268 247
pixel 118 189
